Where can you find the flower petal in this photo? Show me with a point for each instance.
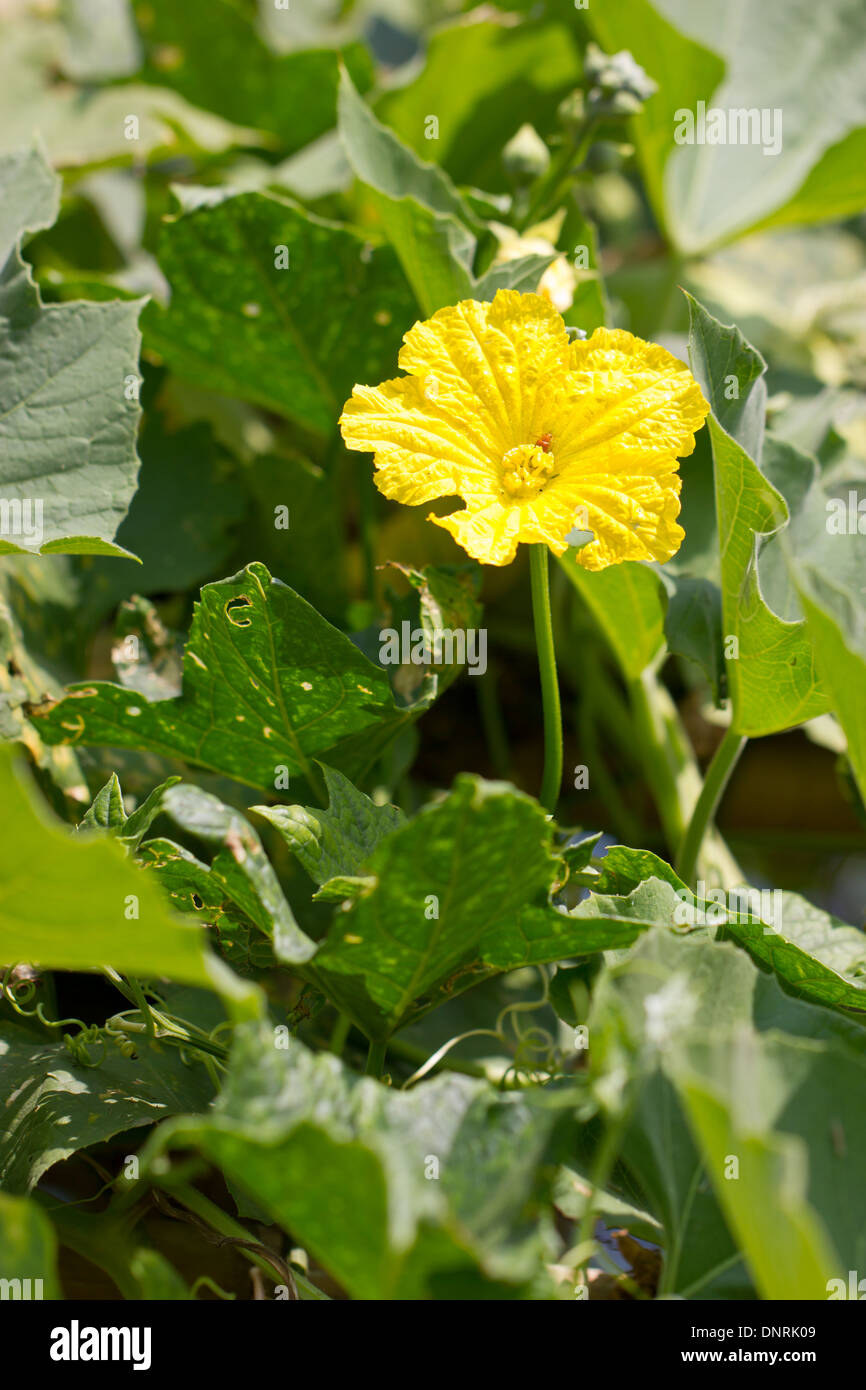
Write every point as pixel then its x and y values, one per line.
pixel 421 450
pixel 488 361
pixel 621 419
pixel 487 533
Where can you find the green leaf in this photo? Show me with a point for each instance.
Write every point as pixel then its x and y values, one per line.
pixel 336 843
pixel 770 667
pixel 239 870
pixel 64 903
pixel 460 893
pixel 68 464
pixel 29 1245
pixel 193 888
pixel 693 625
pixel 57 1106
pixel 626 602
pixel 248 319
pixel 834 602
pixel 427 221
pixel 787 63
pixel 818 957
pixel 730 372
pixel 341 1162
pixel 269 685
pixel 106 811
pixel 685 1011
pixel 190 48
pixel 483 77
pixel 463 868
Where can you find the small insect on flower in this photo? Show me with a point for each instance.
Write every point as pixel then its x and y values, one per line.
pixel 531 430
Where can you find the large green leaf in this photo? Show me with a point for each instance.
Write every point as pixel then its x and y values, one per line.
pixel 461 893
pixel 771 673
pixel 79 904
pixel 783 1161
pixel 462 868
pixel 28 1245
pixel 269 686
pixel 57 1106
pixel 68 415
pixel 251 276
pixel 398 1194
pixel 782 58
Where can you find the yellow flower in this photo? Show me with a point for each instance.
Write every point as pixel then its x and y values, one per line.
pixel 538 435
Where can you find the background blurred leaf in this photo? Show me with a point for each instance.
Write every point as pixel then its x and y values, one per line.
pixel 626 602
pixel 484 76
pixel 67 420
pixel 784 57
pixel 190 48
pixel 87 126
pixel 28 1243
pixel 64 902
pixel 427 221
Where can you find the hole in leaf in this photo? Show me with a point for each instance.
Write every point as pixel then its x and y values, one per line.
pixel 234 606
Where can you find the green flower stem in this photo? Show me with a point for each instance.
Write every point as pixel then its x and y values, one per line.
pixel 541 616
pixel 375 1058
pixel 718 773
pixel 340 1034
pixel 557 181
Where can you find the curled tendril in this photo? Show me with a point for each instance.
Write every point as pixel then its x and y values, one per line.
pixel 122 1029
pixel 79 1043
pixel 537 1056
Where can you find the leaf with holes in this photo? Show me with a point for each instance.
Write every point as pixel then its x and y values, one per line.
pixel 269 686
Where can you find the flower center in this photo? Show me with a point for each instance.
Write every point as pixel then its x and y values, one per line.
pixel 526 469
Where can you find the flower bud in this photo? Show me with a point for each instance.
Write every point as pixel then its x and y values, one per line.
pixel 618 86
pixel 526 157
